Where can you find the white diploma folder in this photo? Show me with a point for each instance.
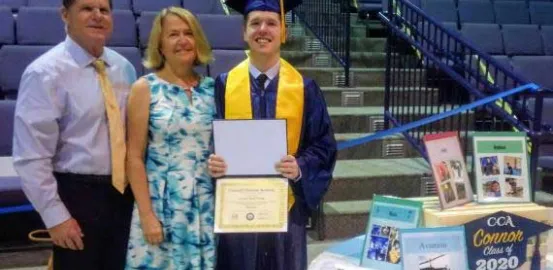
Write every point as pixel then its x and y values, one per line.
pixel 250 147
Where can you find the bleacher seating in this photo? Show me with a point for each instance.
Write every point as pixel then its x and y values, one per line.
pixel 441 10
pixel 547 37
pixel 215 25
pixel 140 6
pixel 511 12
pixel 117 4
pixel 133 55
pixel 228 49
pixel 203 6
pixel 486 37
pixel 385 4
pixel 224 60
pixel 7 34
pixel 435 39
pixel 370 5
pixel 124 29
pixel 7 108
pixel 48 18
pixel 144 27
pixel 522 39
pixel 44 3
pixel 476 11
pixel 541 13
pixel 10 186
pixel 13 4
pixel 535 68
pixel 13 61
pixel 121 4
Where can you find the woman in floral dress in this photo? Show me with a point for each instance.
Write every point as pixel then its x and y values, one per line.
pixel 169 140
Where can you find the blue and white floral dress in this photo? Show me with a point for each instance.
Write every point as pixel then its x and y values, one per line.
pixel 179 144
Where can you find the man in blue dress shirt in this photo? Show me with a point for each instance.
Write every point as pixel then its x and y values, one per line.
pixel 62 149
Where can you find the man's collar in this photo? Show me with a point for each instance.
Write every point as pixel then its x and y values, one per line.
pixel 81 56
pixel 271 73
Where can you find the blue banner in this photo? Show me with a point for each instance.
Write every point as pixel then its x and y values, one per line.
pixel 500 240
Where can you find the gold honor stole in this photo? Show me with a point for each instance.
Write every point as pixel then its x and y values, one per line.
pixel 289 104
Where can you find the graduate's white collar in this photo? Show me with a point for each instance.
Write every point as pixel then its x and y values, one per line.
pixel 271 73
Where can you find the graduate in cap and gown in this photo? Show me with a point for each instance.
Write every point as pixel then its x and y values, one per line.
pixel 264 86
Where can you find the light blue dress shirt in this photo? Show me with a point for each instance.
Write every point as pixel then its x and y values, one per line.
pixel 61 124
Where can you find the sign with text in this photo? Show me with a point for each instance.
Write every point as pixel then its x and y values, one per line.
pixel 499 241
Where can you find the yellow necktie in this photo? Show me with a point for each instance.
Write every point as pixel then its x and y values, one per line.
pixel 116 129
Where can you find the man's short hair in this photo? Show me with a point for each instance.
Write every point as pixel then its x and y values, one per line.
pixel 68 3
pixel 154 58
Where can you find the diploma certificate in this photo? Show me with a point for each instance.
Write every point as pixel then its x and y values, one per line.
pixel 251 205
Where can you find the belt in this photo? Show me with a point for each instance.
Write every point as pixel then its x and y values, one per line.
pixel 85 178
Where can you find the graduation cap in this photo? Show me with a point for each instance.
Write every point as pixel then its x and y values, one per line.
pixel 278 6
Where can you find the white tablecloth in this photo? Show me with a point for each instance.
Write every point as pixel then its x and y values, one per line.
pixel 346 256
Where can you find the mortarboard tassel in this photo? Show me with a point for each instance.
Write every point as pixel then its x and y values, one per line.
pixel 283 30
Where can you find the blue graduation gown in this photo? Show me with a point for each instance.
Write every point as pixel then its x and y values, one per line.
pixel 316 157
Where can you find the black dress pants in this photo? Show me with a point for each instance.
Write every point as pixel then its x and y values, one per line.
pixel 104 216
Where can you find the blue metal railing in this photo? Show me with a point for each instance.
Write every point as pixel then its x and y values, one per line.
pixel 419 123
pixel 329 22
pixel 431 70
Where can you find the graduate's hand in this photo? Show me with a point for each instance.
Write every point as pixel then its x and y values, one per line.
pixel 153 232
pixel 67 234
pixel 288 167
pixel 217 166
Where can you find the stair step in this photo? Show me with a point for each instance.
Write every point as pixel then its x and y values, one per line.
pixel 332 30
pixel 373 96
pixel 358 76
pixel 345 219
pixel 369 118
pixel 348 219
pixel 392 146
pixel 325 59
pixel 357 44
pixel 360 179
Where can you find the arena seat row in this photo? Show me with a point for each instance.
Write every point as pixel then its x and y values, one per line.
pixel 129 38
pixel 510 39
pixel 23 30
pixel 497 39
pixel 10 186
pixel 137 6
pixel 485 11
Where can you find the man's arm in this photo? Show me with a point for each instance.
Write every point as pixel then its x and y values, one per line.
pixel 36 133
pixel 317 155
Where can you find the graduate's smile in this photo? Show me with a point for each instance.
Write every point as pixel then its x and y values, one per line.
pixel 263 40
pixel 262 32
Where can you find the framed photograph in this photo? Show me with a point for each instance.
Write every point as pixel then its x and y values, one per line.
pixel 449 169
pixel 434 248
pixel 381 249
pixel 501 167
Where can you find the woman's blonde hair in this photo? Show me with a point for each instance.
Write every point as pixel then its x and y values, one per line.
pixel 155 60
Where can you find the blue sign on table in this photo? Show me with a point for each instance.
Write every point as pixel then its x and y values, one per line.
pixel 499 241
